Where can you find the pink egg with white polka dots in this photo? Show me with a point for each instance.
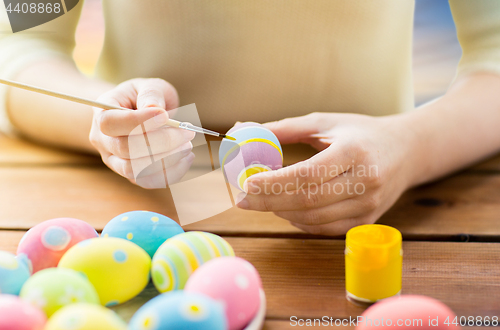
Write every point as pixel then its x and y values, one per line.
pixel 44 245
pixel 235 282
pixel 17 314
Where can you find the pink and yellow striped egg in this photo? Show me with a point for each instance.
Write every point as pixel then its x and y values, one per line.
pixel 255 150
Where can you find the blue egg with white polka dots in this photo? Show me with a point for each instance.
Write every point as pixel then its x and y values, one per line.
pixel 180 310
pixel 147 229
pixel 13 273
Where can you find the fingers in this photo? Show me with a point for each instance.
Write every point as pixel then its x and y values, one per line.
pixel 156 93
pixel 166 139
pixel 151 97
pixel 350 208
pixel 127 140
pixel 337 228
pixel 135 146
pixel 142 93
pixel 143 165
pixel 124 122
pixel 296 129
pixel 123 95
pixel 163 140
pixel 152 176
pixel 308 197
pixel 322 167
pixel 167 176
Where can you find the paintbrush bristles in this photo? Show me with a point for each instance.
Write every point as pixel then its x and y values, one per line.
pixel 224 136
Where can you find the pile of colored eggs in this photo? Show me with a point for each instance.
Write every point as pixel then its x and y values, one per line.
pixel 66 275
pixel 255 150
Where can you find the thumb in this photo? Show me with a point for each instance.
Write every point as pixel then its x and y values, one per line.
pixel 296 129
pixel 150 97
pixel 155 93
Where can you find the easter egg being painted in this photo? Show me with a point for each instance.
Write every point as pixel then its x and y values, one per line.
pixel 13 273
pixel 118 269
pixel 181 255
pixel 255 150
pixel 178 311
pixel 232 280
pixel 83 316
pixel 17 314
pixel 147 229
pixel 404 312
pixel 53 288
pixel 44 245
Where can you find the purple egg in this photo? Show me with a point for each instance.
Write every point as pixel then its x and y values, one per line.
pixel 246 157
pixel 245 124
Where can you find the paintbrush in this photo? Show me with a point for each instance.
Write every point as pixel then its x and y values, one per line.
pixel 171 122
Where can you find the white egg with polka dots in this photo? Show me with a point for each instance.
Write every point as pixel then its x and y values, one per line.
pixel 233 281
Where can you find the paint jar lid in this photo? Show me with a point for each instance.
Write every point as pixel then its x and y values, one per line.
pixel 373 245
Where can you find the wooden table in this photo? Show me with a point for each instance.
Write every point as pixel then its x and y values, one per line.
pixel 451 232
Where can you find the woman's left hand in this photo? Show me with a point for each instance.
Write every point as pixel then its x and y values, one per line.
pixel 364 165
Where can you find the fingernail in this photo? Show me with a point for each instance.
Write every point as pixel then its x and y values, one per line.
pixel 161 118
pixel 243 204
pixel 189 134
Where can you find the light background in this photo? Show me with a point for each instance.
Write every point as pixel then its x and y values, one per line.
pixel 436 50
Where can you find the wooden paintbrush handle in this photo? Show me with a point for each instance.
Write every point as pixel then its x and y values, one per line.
pixel 81 100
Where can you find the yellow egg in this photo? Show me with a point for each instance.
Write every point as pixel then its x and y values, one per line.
pixel 118 269
pixel 83 316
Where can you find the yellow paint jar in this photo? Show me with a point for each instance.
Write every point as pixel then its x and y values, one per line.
pixel 373 263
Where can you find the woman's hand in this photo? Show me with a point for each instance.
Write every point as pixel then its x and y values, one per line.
pixel 122 137
pixel 365 164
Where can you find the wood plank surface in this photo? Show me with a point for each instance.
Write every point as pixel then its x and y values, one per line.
pixel 43 183
pixel 305 278
pixel 9 240
pixel 22 152
pixel 489 165
pixel 31 195
pixel 466 205
pixel 14 151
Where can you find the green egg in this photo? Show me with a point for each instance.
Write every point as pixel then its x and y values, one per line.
pixel 53 288
pixel 83 316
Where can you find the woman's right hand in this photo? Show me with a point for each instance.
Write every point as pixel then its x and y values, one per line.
pixel 122 137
